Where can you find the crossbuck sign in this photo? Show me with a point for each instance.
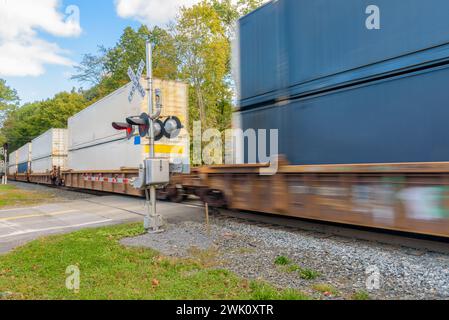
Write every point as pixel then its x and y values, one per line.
pixel 135 78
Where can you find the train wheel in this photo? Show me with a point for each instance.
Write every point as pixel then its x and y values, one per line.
pixel 175 194
pixel 214 198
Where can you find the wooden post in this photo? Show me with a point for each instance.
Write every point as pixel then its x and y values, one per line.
pixel 206 206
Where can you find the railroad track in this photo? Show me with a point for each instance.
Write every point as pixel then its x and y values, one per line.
pixel 417 245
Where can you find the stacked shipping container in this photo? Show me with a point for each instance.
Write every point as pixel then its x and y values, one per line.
pixel 95 146
pixel 341 90
pixel 49 151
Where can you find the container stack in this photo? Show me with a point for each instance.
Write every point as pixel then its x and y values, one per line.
pixel 95 146
pixel 49 151
pixel 348 82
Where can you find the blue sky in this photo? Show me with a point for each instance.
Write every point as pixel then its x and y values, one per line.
pixel 101 26
pixel 41 40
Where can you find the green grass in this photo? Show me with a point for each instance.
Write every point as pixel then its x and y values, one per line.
pixel 288 266
pixel 112 271
pixel 282 261
pixel 10 196
pixel 326 289
pixel 308 274
pixel 361 295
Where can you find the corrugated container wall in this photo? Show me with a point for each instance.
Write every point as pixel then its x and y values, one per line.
pixel 49 151
pixel 259 53
pixel 12 163
pixel 295 47
pixel 24 158
pixel 94 145
pixel 401 119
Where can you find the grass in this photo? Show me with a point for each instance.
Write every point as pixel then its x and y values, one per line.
pixel 288 266
pixel 361 295
pixel 282 261
pixel 326 289
pixel 109 270
pixel 10 196
pixel 308 274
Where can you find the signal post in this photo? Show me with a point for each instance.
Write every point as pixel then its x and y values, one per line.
pixel 152 221
pixel 153 172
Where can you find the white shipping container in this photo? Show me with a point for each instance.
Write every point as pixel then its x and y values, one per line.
pixel 50 150
pixel 12 163
pixel 24 154
pixel 45 165
pixel 94 145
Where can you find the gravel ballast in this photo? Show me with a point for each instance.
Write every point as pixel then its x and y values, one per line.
pixel 343 265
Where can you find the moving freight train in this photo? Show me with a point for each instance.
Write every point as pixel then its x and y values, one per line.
pixel 357 92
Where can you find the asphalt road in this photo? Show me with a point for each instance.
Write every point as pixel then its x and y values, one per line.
pixel 20 225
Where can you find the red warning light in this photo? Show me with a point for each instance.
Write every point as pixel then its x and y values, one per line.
pixel 124 126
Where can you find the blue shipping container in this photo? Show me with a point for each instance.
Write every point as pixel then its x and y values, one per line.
pixel 259 56
pixel 401 119
pixel 22 167
pixel 295 47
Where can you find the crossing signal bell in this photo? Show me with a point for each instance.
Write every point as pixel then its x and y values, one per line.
pixel 159 131
pixel 172 127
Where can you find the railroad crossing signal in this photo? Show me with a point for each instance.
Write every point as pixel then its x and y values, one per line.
pixel 150 125
pixel 135 79
pixel 4 163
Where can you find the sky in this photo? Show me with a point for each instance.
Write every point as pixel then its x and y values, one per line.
pixel 41 40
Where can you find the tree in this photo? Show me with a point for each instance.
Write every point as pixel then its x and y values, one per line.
pixel 203 35
pixel 91 70
pixel 25 123
pixel 204 52
pixel 8 98
pixel 108 70
pixel 8 101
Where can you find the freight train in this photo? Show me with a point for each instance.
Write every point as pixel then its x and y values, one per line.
pixel 358 95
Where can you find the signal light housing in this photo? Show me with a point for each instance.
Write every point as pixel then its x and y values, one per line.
pixel 124 126
pixel 143 122
pixel 159 130
pixel 172 127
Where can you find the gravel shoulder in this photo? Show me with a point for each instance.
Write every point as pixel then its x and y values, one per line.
pixel 344 266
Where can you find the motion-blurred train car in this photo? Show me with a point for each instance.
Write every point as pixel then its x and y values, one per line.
pixel 358 94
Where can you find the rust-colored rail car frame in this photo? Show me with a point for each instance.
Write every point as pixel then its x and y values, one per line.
pixel 104 181
pixel 119 181
pixel 23 177
pixel 411 197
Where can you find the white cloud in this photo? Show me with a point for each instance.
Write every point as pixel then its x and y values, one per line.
pixel 22 51
pixel 151 12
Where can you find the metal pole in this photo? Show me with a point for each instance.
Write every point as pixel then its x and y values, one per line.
pixel 6 165
pixel 152 221
pixel 150 94
pixel 5 168
pixel 206 207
